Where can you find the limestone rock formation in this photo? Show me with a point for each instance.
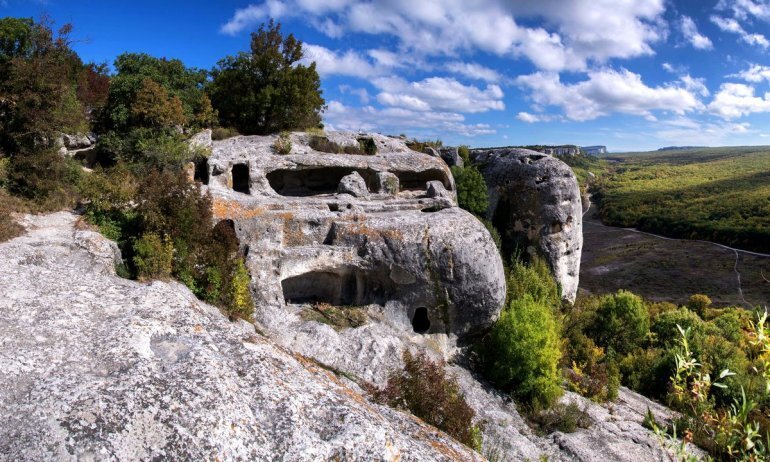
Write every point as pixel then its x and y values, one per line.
pixel 95 367
pixel 535 204
pixel 451 156
pixel 380 231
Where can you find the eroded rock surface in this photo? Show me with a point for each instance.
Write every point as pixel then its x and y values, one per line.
pixel 380 231
pixel 95 367
pixel 534 202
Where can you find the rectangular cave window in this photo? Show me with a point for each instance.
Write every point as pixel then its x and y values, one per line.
pixel 417 181
pixel 241 178
pixel 314 181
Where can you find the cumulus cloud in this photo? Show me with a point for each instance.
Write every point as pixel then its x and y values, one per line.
pixel 694 85
pixel 733 26
pixel 330 62
pixel 533 118
pixel 399 120
pixel 691 34
pixel 608 91
pixel 445 27
pixel 474 71
pixel 755 73
pixel 743 9
pixel 438 94
pixel 736 100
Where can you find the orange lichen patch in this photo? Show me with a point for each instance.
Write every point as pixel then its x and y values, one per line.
pixel 292 233
pixel 234 210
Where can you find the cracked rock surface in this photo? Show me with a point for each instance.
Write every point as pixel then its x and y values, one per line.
pixel 95 367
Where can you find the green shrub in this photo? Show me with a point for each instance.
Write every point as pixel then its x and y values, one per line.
pixel 282 143
pixel 521 353
pixel 368 146
pixel 647 371
pixel 533 279
pixel 323 144
pixel 622 322
pixel 465 154
pixel 566 418
pixel 238 301
pixel 223 133
pixel 731 323
pixel 424 389
pixel 153 257
pixel 472 192
pixel 47 179
pixel 666 333
pixel 699 303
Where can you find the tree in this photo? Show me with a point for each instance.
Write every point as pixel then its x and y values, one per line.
pixel 267 90
pixel 622 322
pixel 472 192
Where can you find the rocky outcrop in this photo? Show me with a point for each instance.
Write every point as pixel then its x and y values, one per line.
pixel 382 232
pixel 534 202
pixel 95 367
pixel 72 144
pixel 451 156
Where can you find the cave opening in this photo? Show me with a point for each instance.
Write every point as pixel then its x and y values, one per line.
pixel 417 181
pixel 314 181
pixel 321 287
pixel 420 320
pixel 241 178
pixel 202 171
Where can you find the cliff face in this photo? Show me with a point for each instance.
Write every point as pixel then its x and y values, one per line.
pixel 535 204
pixel 95 367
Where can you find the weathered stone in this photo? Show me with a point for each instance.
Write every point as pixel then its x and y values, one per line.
pixel 387 183
pixel 95 367
pixel 451 156
pixel 189 170
pixel 76 141
pixel 315 234
pixel 353 184
pixel 430 151
pixel 201 140
pixel 534 202
pixel 436 189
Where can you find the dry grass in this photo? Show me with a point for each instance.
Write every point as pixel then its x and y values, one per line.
pixel 9 228
pixel 339 317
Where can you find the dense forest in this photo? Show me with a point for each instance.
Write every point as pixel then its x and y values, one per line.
pixel 716 194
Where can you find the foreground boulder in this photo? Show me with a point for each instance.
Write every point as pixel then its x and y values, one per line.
pixel 534 202
pixel 95 367
pixel 380 231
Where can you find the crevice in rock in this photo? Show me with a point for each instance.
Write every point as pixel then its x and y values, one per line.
pixel 416 181
pixel 314 181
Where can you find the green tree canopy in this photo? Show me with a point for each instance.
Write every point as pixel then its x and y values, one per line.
pixel 622 322
pixel 267 90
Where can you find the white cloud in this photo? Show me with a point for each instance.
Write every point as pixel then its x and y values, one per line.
pixel 695 85
pixel 438 94
pixel 733 26
pixel 533 118
pixel 686 131
pixel 400 120
pixel 579 31
pixel 252 15
pixel 474 71
pixel 330 62
pixel 743 9
pixel 690 32
pixel 755 73
pixel 736 99
pixel 608 91
pixel 362 94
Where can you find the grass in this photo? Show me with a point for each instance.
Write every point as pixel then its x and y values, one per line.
pixel 8 226
pixel 716 194
pixel 339 317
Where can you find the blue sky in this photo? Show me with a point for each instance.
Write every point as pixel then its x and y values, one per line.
pixel 629 74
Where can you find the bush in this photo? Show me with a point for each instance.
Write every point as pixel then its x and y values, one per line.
pixel 222 133
pixel 45 178
pixel 521 353
pixel 533 279
pixel 368 146
pixel 267 90
pixel 238 301
pixel 282 143
pixel 666 333
pixel 472 192
pixel 566 418
pixel 153 257
pixel 621 323
pixel 465 154
pixel 323 144
pixel 647 371
pixel 424 389
pixel 699 303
